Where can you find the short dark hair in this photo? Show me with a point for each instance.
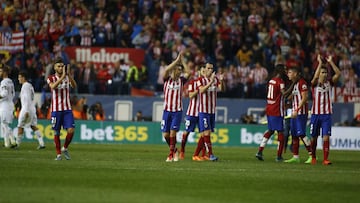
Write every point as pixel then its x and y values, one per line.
pixel 203 65
pixel 58 60
pixel 280 66
pixel 294 68
pixel 24 74
pixel 5 68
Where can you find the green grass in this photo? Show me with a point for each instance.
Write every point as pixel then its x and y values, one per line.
pixel 139 173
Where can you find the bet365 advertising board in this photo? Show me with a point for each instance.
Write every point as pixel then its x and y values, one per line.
pixel 344 138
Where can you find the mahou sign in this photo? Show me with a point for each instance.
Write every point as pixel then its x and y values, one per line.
pixel 101 55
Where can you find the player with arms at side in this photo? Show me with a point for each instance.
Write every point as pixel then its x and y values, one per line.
pixel 321 109
pixel 299 115
pixel 7 94
pixel 172 114
pixel 61 113
pixel 275 111
pixel 208 87
pixel 27 115
pixel 192 115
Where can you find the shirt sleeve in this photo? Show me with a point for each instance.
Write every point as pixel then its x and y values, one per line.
pixel 303 86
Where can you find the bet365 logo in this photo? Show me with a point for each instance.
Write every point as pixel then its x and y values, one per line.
pixel 251 137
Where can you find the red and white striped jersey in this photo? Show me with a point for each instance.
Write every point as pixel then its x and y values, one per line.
pixel 60 96
pixel 275 101
pixel 298 89
pixel 244 73
pixel 208 99
pixel 193 108
pixel 173 94
pixel 259 75
pixel 86 37
pixel 321 95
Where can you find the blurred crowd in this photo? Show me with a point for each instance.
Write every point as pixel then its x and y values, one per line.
pixel 81 110
pixel 243 38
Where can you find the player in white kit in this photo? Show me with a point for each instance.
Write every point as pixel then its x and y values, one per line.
pixel 7 94
pixel 27 115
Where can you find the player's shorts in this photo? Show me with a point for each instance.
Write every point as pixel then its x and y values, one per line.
pixel 298 125
pixel 6 116
pixel 171 121
pixel 206 122
pixel 322 121
pixel 63 119
pixel 190 123
pixel 26 122
pixel 275 123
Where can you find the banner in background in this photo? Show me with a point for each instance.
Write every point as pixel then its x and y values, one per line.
pixel 12 41
pixel 343 138
pixel 346 95
pixel 102 55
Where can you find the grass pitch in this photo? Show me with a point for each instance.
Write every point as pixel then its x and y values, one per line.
pixel 139 173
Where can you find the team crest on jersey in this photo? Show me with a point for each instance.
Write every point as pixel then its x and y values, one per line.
pixel 174 86
pixel 324 88
pixel 62 86
pixel 304 87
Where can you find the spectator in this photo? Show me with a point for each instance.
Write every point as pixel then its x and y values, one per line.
pixel 294 30
pixel 244 79
pixel 258 76
pixel 118 79
pixel 244 54
pixel 102 76
pixel 86 35
pixel 141 40
pixel 97 112
pixel 139 116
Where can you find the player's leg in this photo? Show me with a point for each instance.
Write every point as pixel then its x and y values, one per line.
pixel 266 137
pixel 184 136
pixel 326 132
pixel 287 134
pixel 267 134
pixel 20 135
pixel 302 120
pixel 7 132
pixel 212 157
pixel 314 133
pixel 37 132
pixel 204 155
pixel 205 125
pixel 8 119
pixel 56 119
pixel 294 141
pixel 183 144
pixel 165 127
pixel 69 125
pixel 281 142
pixel 278 125
pixel 174 128
pixel 199 147
pixel 200 143
pixel 39 137
pixel 5 135
pixel 21 125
